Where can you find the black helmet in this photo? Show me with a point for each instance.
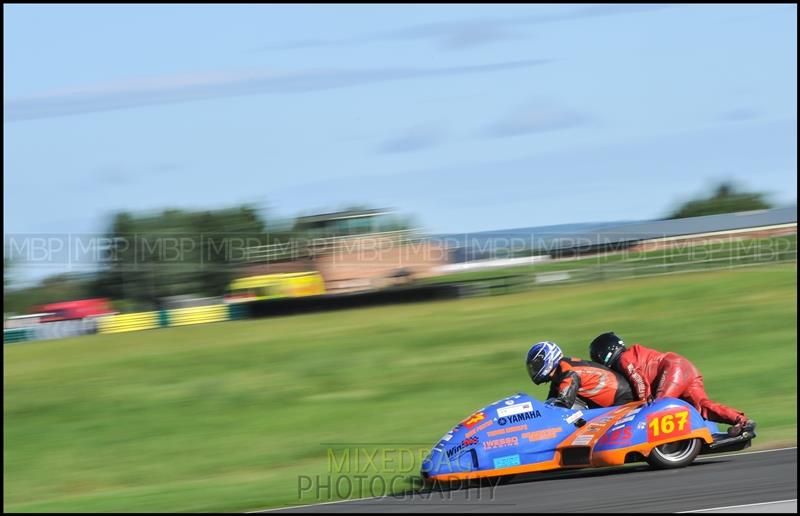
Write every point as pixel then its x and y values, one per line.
pixel 606 348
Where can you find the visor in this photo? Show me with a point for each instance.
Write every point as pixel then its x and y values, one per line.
pixel 535 367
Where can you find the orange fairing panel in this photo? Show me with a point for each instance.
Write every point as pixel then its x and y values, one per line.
pixel 617 456
pixel 593 430
pixel 513 470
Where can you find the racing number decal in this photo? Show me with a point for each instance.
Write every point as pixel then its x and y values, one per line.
pixel 670 423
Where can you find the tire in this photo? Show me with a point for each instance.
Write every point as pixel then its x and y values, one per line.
pixel 678 454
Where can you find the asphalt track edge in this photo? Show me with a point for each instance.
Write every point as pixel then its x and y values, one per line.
pixel 699 459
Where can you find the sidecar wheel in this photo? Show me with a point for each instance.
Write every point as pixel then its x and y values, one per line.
pixel 678 454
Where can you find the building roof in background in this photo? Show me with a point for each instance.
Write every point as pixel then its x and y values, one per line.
pixel 689 226
pixel 501 243
pixel 338 215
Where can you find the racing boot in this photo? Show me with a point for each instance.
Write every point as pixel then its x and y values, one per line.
pixel 742 426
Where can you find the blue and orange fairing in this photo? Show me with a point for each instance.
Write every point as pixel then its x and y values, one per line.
pixel 519 434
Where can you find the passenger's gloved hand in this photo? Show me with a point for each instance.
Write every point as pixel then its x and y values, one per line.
pixel 555 402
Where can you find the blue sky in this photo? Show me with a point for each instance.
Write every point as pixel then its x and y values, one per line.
pixel 470 117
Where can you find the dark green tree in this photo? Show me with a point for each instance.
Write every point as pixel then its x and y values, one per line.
pixel 724 199
pixel 176 252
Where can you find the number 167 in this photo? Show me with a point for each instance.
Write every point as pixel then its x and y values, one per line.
pixel 666 424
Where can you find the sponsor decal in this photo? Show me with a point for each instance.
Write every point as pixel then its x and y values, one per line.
pixel 574 417
pixel 661 378
pixel 638 382
pixel 501 443
pixel 589 432
pixel 480 428
pixel 627 418
pixel 463 445
pixel 641 425
pixel 542 435
pixel 447 436
pixel 515 409
pixel 583 439
pixel 509 402
pixel 518 418
pixel 474 419
pixel 604 419
pixel 507 430
pixel 668 423
pixel 505 462
pixel 619 435
pixel 601 421
pixel 592 428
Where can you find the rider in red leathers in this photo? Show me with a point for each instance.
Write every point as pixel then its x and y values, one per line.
pixel 668 374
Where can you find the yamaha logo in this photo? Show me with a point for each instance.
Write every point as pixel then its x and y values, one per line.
pixel 516 418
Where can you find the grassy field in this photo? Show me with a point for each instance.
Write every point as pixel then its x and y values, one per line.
pixel 224 417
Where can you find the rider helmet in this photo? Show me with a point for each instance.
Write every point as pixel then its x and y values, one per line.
pixel 542 359
pixel 606 348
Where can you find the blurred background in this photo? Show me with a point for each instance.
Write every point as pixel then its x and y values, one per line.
pixel 233 234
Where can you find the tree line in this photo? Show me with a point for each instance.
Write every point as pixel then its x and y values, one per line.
pixel 179 252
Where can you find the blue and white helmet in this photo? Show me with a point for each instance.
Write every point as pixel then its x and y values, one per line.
pixel 542 359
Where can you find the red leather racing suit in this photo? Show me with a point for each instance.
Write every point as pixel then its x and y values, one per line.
pixel 595 384
pixel 672 376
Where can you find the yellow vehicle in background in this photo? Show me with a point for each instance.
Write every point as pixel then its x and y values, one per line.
pixel 275 286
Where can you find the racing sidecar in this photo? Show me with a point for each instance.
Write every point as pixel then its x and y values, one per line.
pixel 519 434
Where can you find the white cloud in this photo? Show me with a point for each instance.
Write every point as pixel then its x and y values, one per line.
pixel 537 118
pixel 413 139
pixel 182 88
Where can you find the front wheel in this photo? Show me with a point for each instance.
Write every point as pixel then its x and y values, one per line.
pixel 674 455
